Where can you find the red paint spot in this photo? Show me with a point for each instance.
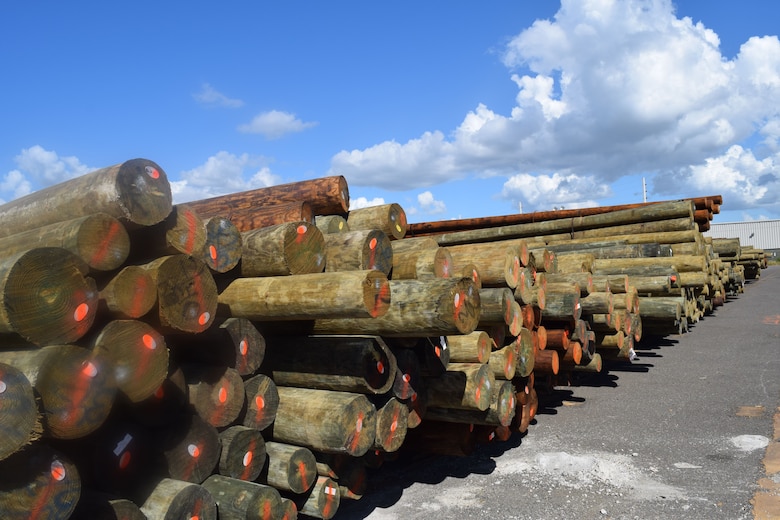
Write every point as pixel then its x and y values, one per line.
pixel 437 351
pixel 194 451
pixel 302 229
pixel 124 460
pixel 223 395
pixel 372 244
pixel 406 378
pixel 247 458
pixel 204 318
pixel 302 474
pixel 57 470
pixel 149 341
pixel 89 369
pixel 160 392
pixel 477 393
pixel 394 426
pixel 380 367
pixel 102 252
pixel 152 172
pixel 259 402
pixel 213 253
pixel 81 312
pixel 243 347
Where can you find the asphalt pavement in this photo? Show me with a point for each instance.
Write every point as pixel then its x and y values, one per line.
pixel 680 433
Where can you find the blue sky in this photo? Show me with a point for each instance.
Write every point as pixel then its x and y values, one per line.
pixel 456 109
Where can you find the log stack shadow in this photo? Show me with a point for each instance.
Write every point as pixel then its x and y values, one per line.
pixel 264 354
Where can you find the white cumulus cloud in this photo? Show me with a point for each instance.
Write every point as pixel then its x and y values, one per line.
pixel 429 204
pixel 208 95
pixel 275 124
pixel 363 202
pixel 605 89
pixel 223 173
pixel 38 168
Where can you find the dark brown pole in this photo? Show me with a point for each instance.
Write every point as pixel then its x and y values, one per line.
pixel 243 453
pixel 216 393
pixel 262 402
pixel 189 448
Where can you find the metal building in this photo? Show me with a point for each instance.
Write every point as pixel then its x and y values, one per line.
pixel 761 234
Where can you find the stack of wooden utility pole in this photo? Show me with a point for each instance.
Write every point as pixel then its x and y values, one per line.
pixel 251 355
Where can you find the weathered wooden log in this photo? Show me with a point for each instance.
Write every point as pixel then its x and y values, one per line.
pixel 390 218
pixel 323 420
pixel 233 342
pixel 238 499
pixel 326 195
pixel 584 281
pixel 572 357
pixel 322 501
pixel 539 336
pixel 527 292
pixel 614 283
pixel 349 363
pixel 523 345
pixel 503 362
pixel 598 303
pixel 20 413
pixel 188 448
pixel 495 306
pixel 136 192
pixel 262 402
pixel 331 223
pixel 349 473
pixel 693 279
pixel 363 249
pixel 652 285
pixel 615 341
pixel 557 339
pixel 137 354
pixel 289 509
pixel 608 248
pixel 576 263
pixel 99 240
pixel 391 424
pixel 128 294
pixel 498 263
pixel 93 504
pixel 669 308
pixel 172 499
pixel 418 308
pixel 281 250
pixel 546 362
pixel 650 213
pixel 653 226
pixel 242 455
pixel 186 294
pixel 216 393
pixel 408 378
pixel 500 412
pixel 256 217
pixel 290 468
pixel 678 263
pixel 76 387
pixel 474 347
pixel 420 260
pixel 181 232
pixel 562 304
pixel 343 294
pixel 462 386
pixel 45 297
pixel 594 365
pixel 224 245
pixel 38 482
pixel 628 301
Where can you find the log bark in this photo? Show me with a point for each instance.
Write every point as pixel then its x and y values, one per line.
pixel 418 308
pixel 172 499
pixel 136 192
pixel 391 425
pixel 350 363
pixel 255 217
pixel 128 294
pixel 463 386
pixel 186 294
pixel 224 245
pixel 364 249
pixel 137 354
pixel 331 224
pixel 345 294
pixel 284 249
pixel 290 468
pixel 76 387
pixel 326 195
pixel 45 297
pixel 503 362
pixel 99 240
pixel 38 483
pixel 498 264
pixel 322 501
pixel 20 412
pixel 333 422
pixel 470 348
pixel 678 263
pixel 546 362
pixel 500 412
pixel 241 500
pixel 523 344
pixel 409 263
pixel 243 453
pixel 390 218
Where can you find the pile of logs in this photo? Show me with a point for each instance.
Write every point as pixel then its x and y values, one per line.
pixel 252 355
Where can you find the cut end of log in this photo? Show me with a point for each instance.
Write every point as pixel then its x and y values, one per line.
pixel 145 191
pixel 103 242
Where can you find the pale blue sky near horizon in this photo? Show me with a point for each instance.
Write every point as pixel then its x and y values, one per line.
pixel 457 109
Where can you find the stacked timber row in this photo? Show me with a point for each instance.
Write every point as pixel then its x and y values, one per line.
pixel 253 355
